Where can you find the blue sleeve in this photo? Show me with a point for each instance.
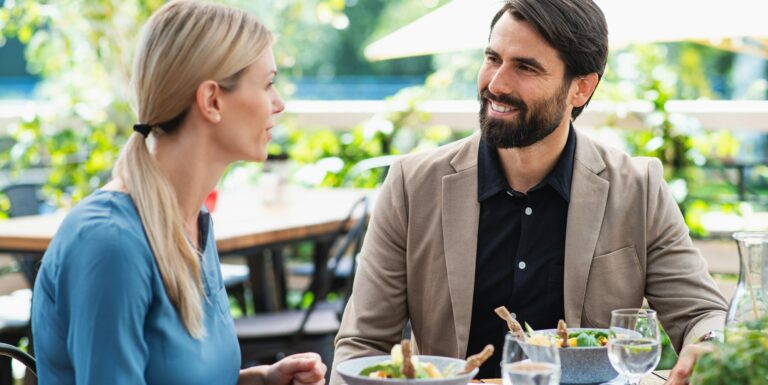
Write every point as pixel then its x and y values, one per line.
pixel 107 289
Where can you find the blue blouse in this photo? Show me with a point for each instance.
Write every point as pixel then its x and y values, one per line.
pixel 100 313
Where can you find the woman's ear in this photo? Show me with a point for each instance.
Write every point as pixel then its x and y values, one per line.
pixel 207 100
pixel 585 87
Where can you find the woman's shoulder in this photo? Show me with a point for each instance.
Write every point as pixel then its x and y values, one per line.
pixel 103 212
pixel 103 224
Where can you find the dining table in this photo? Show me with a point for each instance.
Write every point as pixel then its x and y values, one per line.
pixel 245 224
pixel 657 377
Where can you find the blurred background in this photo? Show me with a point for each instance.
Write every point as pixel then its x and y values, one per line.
pixel 363 78
pixel 686 82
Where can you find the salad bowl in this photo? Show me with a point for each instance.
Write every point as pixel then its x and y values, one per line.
pixel 449 368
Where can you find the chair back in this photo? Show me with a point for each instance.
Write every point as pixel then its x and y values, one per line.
pixel 267 337
pixel 19 355
pixel 366 166
pixel 350 242
pixel 25 200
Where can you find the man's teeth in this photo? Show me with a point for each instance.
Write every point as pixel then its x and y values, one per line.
pixel 499 108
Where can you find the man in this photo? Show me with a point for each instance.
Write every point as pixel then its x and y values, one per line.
pixel 529 213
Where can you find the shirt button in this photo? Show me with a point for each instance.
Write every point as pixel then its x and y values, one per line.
pixel 513 315
pixel 528 211
pixel 521 265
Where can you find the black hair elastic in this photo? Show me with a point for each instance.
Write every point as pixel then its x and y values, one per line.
pixel 142 128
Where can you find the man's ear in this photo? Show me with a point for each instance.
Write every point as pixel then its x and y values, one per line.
pixel 585 87
pixel 207 100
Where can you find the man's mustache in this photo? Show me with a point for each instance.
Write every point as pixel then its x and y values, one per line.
pixel 503 99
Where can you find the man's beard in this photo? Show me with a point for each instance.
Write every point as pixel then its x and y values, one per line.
pixel 529 126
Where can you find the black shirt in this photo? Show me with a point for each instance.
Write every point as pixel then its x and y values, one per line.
pixel 520 251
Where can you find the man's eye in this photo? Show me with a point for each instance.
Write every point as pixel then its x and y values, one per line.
pixel 525 68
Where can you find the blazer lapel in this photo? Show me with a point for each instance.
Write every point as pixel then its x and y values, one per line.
pixel 589 194
pixel 460 216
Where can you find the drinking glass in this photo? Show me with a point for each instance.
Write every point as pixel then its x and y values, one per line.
pixel 523 363
pixel 634 345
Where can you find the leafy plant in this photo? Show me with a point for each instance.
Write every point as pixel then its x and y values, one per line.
pixel 82 50
pixel 329 155
pixel 740 361
pixel 645 73
pixel 84 61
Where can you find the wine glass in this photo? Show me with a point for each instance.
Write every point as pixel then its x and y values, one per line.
pixel 524 363
pixel 634 345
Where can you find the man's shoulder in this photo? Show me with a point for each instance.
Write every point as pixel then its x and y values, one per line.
pixel 619 164
pixel 448 158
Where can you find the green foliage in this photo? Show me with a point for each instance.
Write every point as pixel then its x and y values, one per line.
pixel 743 361
pixel 668 355
pixel 645 73
pixel 334 154
pixel 82 51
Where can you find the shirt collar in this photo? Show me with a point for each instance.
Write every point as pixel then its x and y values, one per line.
pixel 560 176
pixel 491 179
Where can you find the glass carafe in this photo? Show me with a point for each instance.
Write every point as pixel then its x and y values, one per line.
pixel 748 311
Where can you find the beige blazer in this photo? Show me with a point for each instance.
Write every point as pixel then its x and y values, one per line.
pixel 625 240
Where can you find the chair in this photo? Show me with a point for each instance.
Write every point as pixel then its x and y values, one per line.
pixel 266 338
pixel 366 165
pixel 235 277
pixel 19 355
pixel 345 266
pixel 25 199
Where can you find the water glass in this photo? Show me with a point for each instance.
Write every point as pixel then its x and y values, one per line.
pixel 634 343
pixel 528 364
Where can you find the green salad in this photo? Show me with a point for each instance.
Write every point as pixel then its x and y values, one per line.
pixel 577 339
pixel 393 368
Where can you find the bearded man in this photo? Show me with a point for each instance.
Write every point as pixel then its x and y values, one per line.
pixel 528 213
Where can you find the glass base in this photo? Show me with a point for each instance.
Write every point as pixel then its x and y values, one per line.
pixel 622 380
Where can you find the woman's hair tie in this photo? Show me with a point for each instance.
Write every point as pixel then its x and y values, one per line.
pixel 142 128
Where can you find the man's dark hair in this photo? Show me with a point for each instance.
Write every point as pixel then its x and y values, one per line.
pixel 575 28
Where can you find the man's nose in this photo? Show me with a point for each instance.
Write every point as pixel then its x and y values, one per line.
pixel 500 84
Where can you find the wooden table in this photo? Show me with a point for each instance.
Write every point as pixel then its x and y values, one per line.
pixel 243 224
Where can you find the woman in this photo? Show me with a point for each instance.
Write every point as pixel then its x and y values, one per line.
pixel 130 290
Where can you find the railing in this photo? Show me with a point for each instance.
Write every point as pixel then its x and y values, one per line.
pixel 462 114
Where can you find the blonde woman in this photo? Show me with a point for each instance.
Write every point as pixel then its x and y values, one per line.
pixel 130 289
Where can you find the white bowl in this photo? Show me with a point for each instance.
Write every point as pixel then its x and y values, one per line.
pixel 350 371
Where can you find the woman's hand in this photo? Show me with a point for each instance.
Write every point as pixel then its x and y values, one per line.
pixel 298 369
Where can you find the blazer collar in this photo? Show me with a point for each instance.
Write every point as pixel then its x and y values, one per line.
pixel 589 194
pixel 460 216
pixel 466 156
